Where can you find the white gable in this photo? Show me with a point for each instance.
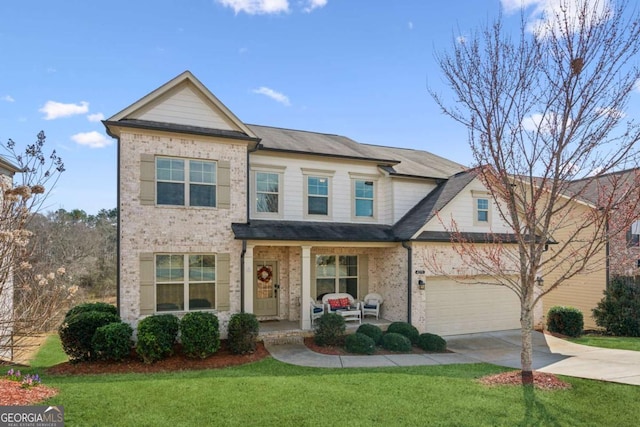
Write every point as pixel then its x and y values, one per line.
pixel 461 210
pixel 184 106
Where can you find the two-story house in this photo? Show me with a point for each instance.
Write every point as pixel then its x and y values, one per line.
pixel 216 214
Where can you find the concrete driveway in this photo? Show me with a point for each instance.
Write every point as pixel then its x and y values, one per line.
pixel 551 355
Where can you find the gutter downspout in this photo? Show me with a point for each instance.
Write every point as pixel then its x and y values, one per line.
pixel 244 242
pixel 409 278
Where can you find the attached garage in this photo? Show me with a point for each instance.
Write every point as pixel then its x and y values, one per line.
pixel 453 308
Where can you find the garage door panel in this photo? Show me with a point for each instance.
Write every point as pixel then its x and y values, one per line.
pixel 454 308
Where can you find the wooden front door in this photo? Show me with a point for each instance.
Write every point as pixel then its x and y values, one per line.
pixel 265 296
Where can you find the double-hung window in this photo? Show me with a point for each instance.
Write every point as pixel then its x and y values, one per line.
pixel 317 195
pixel 364 198
pixel 267 192
pixel 182 182
pixel 185 282
pixel 633 235
pixel 336 274
pixel 481 208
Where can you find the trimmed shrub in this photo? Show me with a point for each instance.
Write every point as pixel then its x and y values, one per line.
pixel 91 306
pixel 372 331
pixel 243 333
pixel 406 329
pixel 112 341
pixel 360 344
pixel 199 334
pixel 156 336
pixel 431 342
pixel 329 330
pixel 76 333
pixel 619 311
pixel 567 321
pixel 393 341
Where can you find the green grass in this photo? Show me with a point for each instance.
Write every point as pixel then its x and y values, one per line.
pixel 270 393
pixel 620 343
pixel 49 354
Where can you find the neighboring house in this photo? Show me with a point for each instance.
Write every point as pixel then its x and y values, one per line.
pixel 7 171
pixel 216 214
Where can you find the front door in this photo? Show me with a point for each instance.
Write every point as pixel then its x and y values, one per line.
pixel 265 297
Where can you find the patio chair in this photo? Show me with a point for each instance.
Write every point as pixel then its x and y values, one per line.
pixel 371 305
pixel 317 310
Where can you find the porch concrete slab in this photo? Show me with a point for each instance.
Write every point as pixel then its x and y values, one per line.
pixel 366 362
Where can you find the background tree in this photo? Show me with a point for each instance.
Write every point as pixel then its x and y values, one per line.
pixel 32 301
pixel 546 121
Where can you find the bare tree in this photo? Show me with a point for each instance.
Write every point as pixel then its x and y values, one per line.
pixel 27 304
pixel 546 117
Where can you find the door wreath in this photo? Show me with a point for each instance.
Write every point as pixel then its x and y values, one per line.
pixel 264 274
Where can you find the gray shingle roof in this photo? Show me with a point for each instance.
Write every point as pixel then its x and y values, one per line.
pixel 312 231
pixel 397 161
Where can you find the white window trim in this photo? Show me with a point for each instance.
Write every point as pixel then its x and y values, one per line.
pixel 337 277
pixel 185 283
pixel 478 195
pixel 317 173
pixel 186 182
pixel 364 177
pixel 279 170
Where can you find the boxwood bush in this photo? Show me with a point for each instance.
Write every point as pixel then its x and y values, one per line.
pixel 329 330
pixel 393 341
pixel 243 333
pixel 77 330
pixel 112 341
pixel 406 329
pixel 156 336
pixel 564 320
pixel 619 311
pixel 372 331
pixel 360 344
pixel 431 342
pixel 199 334
pixel 92 306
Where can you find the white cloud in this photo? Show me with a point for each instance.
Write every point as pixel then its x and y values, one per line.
pixel 95 117
pixel 611 112
pixel 8 98
pixel 547 13
pixel 314 4
pixel 91 139
pixel 410 25
pixel 55 110
pixel 257 7
pixel 277 96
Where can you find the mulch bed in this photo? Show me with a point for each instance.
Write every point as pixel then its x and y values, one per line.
pixel 11 393
pixel 340 351
pixel 541 380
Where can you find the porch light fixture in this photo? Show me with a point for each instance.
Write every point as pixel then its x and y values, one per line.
pixel 421 284
pixel 539 281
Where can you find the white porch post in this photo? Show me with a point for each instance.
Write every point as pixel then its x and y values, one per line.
pixel 305 295
pixel 249 278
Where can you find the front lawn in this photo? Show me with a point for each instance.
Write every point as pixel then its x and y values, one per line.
pixel 620 343
pixel 270 393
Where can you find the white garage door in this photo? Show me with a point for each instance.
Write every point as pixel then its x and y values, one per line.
pixel 454 308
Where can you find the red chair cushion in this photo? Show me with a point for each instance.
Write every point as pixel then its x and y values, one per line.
pixel 335 304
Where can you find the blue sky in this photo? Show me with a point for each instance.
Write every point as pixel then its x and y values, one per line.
pixel 359 68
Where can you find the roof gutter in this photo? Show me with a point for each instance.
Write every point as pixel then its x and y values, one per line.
pixel 409 278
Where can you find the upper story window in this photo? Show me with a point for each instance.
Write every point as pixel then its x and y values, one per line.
pixel 267 191
pixel 364 198
pixel 185 282
pixel 633 235
pixel 481 208
pixel 183 182
pixel 317 193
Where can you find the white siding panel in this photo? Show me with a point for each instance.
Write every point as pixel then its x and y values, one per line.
pixel 406 194
pixel 185 107
pixel 454 308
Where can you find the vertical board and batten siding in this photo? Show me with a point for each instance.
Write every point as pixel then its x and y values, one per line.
pixel 453 308
pixel 341 186
pixel 184 106
pixel 583 291
pixel 406 194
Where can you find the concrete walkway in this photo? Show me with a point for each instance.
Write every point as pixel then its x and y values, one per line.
pixel 502 348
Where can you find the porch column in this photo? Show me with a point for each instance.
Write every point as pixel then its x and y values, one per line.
pixel 305 295
pixel 249 278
